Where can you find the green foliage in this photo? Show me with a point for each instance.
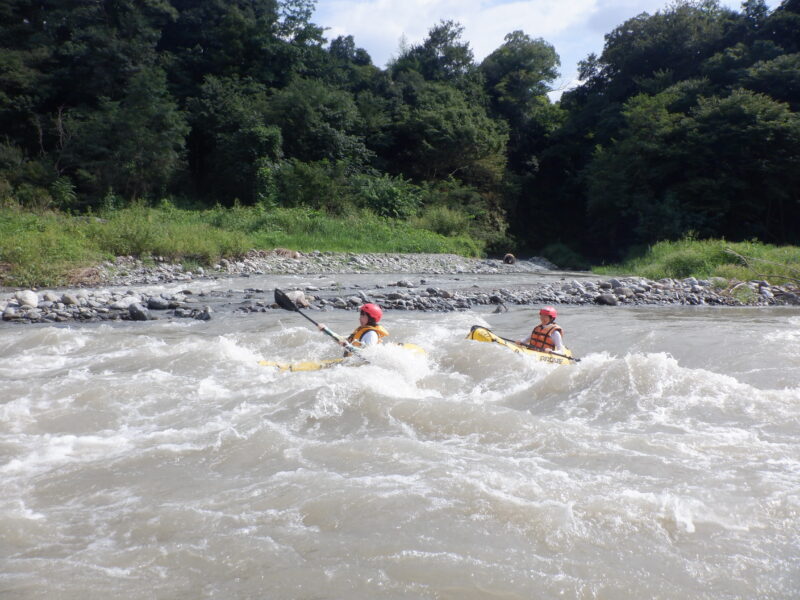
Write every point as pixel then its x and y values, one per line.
pixel 318 122
pixel 39 249
pixel 231 133
pixel 442 56
pixel 519 72
pixel 63 192
pixel 730 167
pixel 387 196
pixel 779 77
pixel 709 258
pixel 317 185
pixel 363 231
pixel 43 249
pixel 443 135
pixel 443 220
pixel 687 121
pixel 134 145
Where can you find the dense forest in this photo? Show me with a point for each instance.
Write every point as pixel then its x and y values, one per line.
pixel 687 124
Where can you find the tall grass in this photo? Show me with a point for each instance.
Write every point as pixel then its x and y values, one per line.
pixel 712 258
pixel 43 249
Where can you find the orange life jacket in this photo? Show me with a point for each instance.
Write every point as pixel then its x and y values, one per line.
pixel 355 337
pixel 541 336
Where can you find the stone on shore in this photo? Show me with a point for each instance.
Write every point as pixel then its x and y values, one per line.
pixel 93 305
pixel 27 298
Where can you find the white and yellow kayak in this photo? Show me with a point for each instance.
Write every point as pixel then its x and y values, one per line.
pixel 316 365
pixel 481 334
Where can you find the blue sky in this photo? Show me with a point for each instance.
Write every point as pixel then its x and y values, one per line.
pixel 574 27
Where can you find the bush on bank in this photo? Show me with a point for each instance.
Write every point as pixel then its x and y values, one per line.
pixel 704 259
pixel 50 248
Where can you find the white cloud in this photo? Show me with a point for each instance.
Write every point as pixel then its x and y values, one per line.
pixel 379 25
pixel 574 27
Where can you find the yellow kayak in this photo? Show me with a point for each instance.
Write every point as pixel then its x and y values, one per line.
pixel 481 334
pixel 316 365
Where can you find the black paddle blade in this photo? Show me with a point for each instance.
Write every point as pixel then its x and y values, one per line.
pixel 284 301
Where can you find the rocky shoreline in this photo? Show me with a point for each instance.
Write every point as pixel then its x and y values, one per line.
pixel 107 294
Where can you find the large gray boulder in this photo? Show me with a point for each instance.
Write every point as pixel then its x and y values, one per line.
pixel 27 298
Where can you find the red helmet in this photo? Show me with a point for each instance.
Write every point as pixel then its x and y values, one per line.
pixel 372 310
pixel 550 311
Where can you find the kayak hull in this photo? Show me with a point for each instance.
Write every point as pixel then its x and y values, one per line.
pixel 481 334
pixel 317 365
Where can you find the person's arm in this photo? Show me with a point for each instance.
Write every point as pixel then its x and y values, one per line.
pixel 556 335
pixel 340 339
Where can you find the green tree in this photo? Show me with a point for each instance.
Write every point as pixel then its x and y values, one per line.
pixel 318 122
pixel 778 77
pixel 518 73
pixel 269 41
pixel 517 78
pixel 443 135
pixel 133 146
pixel 231 140
pixel 729 167
pixel 443 56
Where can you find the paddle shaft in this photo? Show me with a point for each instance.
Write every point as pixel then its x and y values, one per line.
pixel 286 303
pixel 529 347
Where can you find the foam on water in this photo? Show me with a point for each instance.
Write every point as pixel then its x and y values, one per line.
pixel 161 459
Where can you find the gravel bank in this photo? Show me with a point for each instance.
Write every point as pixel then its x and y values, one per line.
pixel 107 294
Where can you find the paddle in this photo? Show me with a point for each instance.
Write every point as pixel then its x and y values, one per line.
pixel 529 347
pixel 286 303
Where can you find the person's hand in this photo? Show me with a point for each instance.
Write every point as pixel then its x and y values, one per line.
pixel 321 327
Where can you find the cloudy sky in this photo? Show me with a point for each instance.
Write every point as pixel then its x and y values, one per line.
pixel 574 27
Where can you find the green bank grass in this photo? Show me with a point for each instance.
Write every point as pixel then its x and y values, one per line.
pixel 52 249
pixel 711 258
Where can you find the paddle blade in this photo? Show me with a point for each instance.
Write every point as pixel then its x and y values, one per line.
pixel 284 301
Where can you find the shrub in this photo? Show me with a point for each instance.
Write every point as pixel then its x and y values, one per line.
pixel 443 220
pixel 387 196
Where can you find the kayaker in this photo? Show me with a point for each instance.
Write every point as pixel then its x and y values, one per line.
pixel 368 331
pixel 547 336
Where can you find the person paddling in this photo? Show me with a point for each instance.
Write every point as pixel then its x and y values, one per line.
pixel 368 331
pixel 547 336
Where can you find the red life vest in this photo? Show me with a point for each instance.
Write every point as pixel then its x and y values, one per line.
pixel 541 336
pixel 355 337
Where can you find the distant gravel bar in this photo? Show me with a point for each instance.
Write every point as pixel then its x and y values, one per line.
pixel 104 292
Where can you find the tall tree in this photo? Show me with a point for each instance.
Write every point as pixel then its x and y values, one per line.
pixel 440 134
pixel 231 137
pixel 519 72
pixel 443 56
pixel 132 146
pixel 318 122
pixel 728 167
pixel 517 77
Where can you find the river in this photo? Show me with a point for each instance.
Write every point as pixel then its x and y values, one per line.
pixel 158 460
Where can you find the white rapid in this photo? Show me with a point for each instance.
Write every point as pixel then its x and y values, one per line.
pixel 159 460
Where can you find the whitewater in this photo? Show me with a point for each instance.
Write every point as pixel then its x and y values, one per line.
pixel 158 459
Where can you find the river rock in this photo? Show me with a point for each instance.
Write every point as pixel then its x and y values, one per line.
pixel 158 303
pixel 70 299
pixel 125 302
pixel 138 312
pixel 298 297
pixel 27 298
pixel 606 300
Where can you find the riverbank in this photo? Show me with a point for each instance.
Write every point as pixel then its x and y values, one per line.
pixel 129 289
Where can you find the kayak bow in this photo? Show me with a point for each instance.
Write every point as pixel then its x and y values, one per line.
pixel 482 334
